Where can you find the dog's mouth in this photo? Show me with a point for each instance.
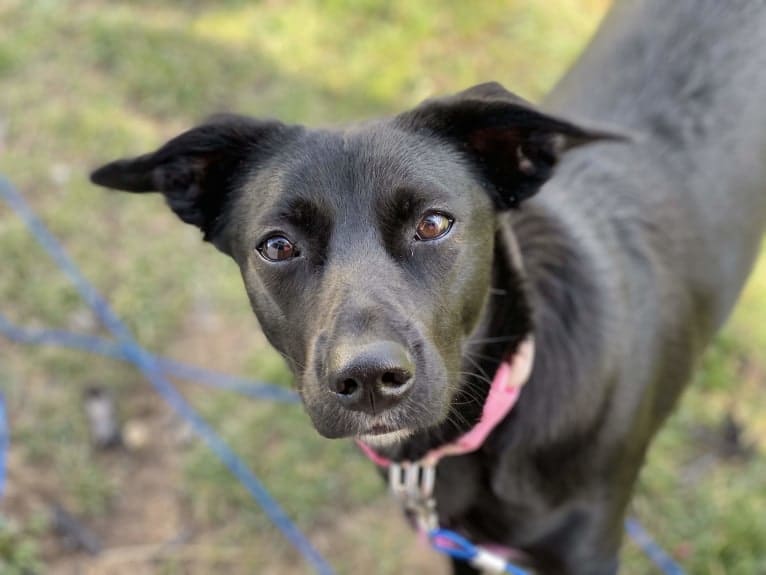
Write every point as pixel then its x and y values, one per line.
pixel 380 429
pixel 384 435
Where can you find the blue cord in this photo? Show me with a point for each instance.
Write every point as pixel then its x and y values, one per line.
pixel 458 547
pixel 640 537
pixel 107 348
pixel 151 369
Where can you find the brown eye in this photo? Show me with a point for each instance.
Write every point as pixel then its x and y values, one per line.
pixel 433 225
pixel 277 249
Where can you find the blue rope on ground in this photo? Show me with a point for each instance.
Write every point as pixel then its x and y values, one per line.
pixel 640 537
pixel 458 547
pixel 155 369
pixel 151 369
pixel 171 367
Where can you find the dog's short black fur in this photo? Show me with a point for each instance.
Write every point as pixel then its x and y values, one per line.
pixel 396 262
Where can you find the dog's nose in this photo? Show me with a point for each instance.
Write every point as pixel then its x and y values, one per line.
pixel 371 377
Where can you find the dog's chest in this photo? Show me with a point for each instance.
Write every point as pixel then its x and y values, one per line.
pixel 466 502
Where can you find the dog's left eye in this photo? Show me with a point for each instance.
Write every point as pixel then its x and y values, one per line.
pixel 433 225
pixel 277 249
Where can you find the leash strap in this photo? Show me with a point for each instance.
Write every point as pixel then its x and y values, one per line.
pixel 458 547
pixel 412 484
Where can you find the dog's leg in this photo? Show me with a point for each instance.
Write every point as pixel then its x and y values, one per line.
pixel 463 568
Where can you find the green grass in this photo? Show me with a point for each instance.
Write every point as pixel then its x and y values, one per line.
pixel 85 82
pixel 19 553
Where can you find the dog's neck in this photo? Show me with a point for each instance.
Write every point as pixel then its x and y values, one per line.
pixel 548 293
pixel 566 298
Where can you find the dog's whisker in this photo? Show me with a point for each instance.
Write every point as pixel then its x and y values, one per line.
pixel 491 340
pixel 474 376
pixel 476 365
pixel 457 419
pixel 471 395
pixel 477 355
pixel 291 361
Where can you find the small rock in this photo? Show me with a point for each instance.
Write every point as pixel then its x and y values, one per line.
pixel 102 417
pixel 82 320
pixel 60 173
pixel 135 435
pixel 733 443
pixel 184 434
pixel 74 532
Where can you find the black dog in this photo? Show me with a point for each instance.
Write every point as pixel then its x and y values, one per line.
pixel 396 263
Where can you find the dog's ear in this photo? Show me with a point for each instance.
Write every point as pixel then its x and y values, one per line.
pixel 514 146
pixel 197 170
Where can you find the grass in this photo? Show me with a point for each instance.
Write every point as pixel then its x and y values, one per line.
pixel 89 81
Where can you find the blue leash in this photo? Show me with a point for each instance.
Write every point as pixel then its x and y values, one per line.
pixel 151 369
pixel 458 547
pixel 640 537
pixel 171 367
pixel 156 369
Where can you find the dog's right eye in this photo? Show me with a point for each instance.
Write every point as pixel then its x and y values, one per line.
pixel 432 226
pixel 277 249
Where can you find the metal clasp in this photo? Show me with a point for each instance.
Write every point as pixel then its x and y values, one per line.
pixel 413 485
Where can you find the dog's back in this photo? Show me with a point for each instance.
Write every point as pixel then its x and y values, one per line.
pixel 667 224
pixel 687 81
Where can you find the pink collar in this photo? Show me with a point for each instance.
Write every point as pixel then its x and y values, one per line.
pixel 503 393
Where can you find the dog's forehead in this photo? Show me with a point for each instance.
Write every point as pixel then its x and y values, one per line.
pixel 361 165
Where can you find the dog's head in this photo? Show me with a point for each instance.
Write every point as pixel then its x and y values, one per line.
pixel 366 252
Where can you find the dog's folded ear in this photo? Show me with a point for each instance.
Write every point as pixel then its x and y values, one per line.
pixel 198 170
pixel 514 146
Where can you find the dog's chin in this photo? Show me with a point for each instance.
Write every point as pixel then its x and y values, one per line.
pixel 386 439
pixel 384 429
